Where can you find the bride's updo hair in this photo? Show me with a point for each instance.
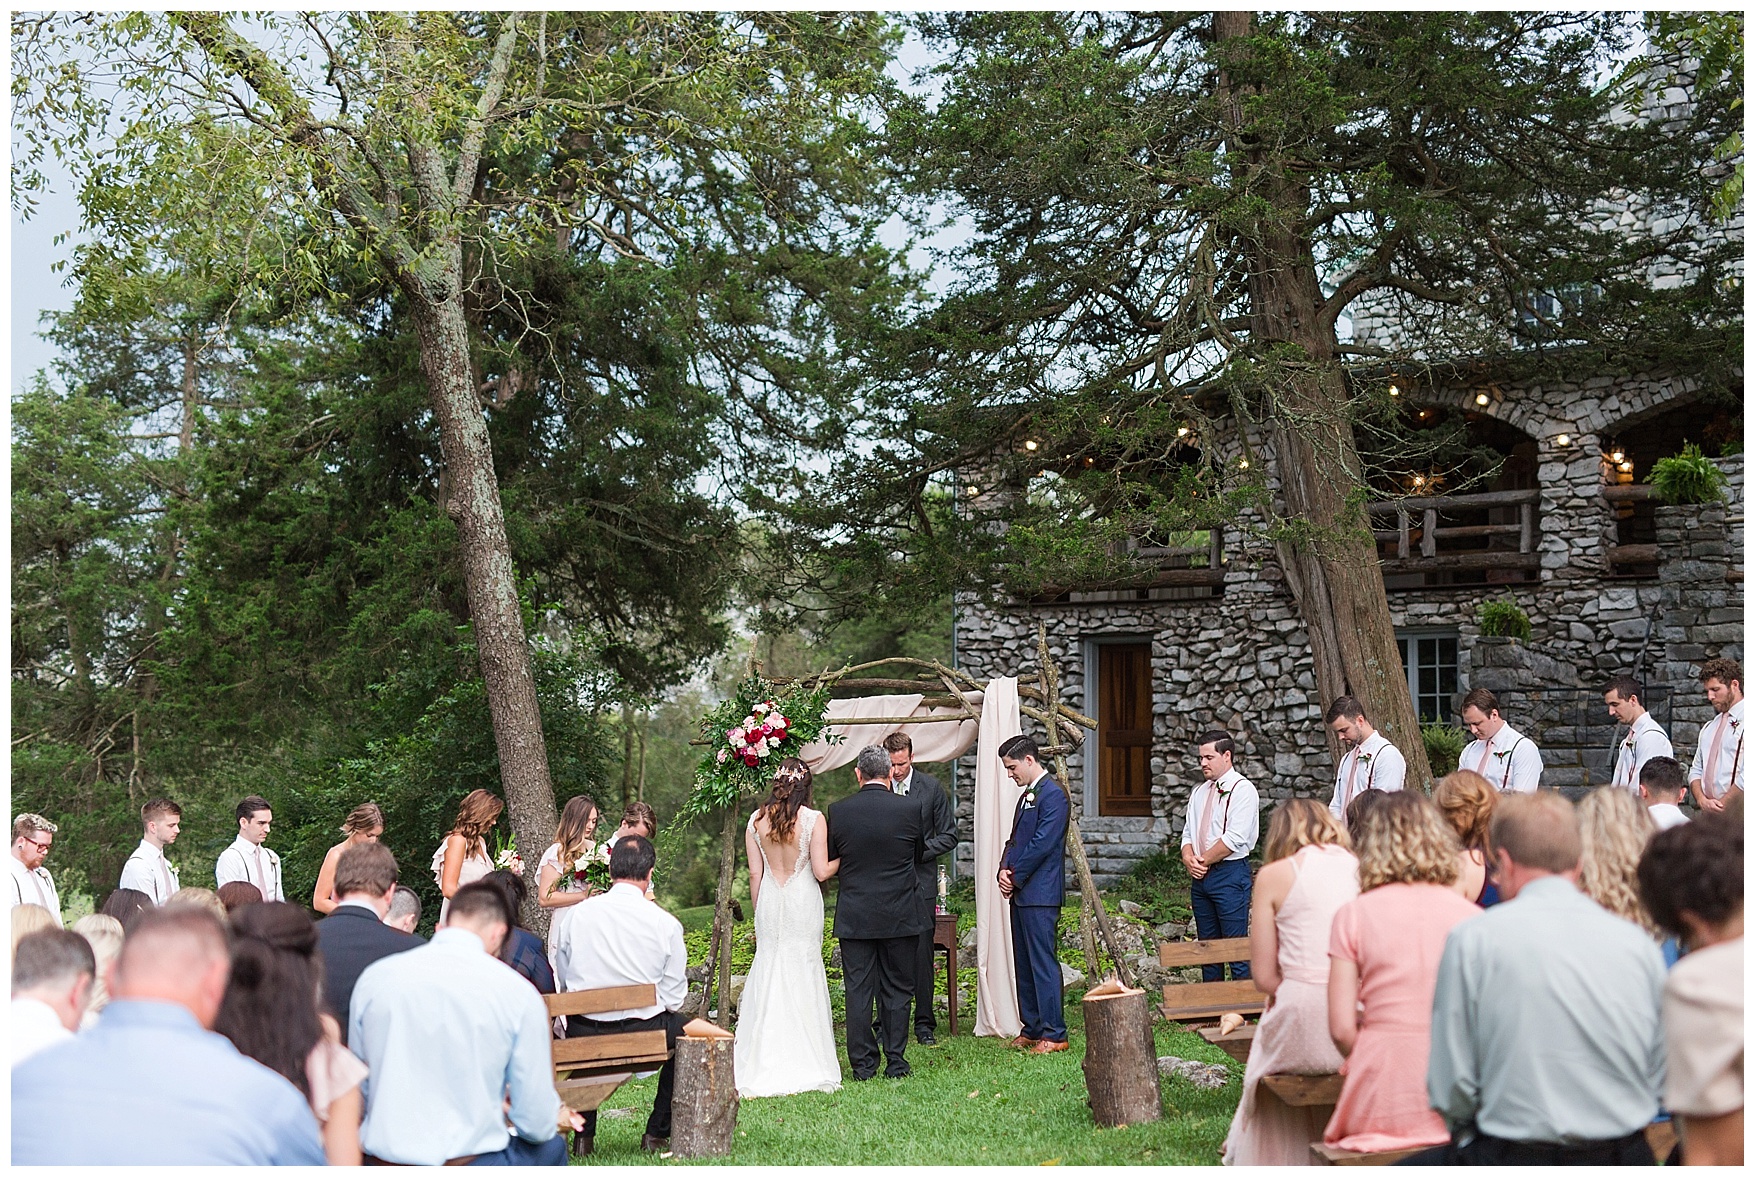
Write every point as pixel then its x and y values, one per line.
pixel 790 793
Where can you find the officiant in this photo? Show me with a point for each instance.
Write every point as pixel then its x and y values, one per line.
pixel 938 822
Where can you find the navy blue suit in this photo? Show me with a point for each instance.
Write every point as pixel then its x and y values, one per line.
pixel 1035 854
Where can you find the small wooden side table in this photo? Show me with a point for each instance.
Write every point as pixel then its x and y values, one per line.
pixel 944 935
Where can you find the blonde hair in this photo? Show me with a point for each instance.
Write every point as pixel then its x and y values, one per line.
pixel 1298 823
pixel 104 934
pixel 1613 829
pixel 1405 840
pixel 1466 799
pixel 363 819
pixel 30 917
pixel 200 897
pixel 476 815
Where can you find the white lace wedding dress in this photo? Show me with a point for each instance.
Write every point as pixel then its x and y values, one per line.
pixel 785 1039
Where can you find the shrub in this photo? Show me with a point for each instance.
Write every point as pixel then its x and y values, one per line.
pixel 1503 619
pixel 1689 477
pixel 1444 745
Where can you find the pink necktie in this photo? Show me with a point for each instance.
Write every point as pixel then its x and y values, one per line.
pixel 1486 751
pixel 1718 739
pixel 1347 797
pixel 164 871
pixel 262 877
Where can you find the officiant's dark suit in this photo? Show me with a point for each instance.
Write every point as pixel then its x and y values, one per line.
pixel 879 839
pixel 939 828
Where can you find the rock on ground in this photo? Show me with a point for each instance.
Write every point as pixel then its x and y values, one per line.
pixel 1210 1076
pixel 1070 976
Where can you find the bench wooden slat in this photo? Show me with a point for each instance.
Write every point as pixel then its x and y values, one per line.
pixel 1173 954
pixel 1209 999
pixel 1322 1154
pixel 1305 1091
pixel 600 1001
pixel 587 1095
pixel 632 1045
pixel 1236 1044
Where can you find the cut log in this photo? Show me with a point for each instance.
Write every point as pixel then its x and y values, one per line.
pixel 704 1109
pixel 1121 1066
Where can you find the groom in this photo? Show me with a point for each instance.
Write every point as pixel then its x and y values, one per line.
pixel 879 839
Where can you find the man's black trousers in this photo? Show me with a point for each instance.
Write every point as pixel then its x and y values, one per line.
pixel 880 973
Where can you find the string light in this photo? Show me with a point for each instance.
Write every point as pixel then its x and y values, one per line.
pixel 1394 391
pixel 1243 463
pixel 1563 439
pixel 1617 455
pixel 1626 467
pixel 1419 482
pixel 1030 445
pixel 1182 432
pixel 1482 399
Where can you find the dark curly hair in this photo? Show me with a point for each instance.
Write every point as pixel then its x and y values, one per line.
pixel 270 1006
pixel 1696 867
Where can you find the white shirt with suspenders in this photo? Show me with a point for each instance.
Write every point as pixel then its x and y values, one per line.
pixel 1718 761
pixel 245 862
pixel 1375 763
pixel 1510 760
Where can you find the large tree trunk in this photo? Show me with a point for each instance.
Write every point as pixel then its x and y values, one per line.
pixel 473 500
pixel 1332 568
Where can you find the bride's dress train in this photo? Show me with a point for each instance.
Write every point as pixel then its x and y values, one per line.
pixel 785 1038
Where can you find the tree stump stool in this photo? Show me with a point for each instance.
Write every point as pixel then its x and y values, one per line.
pixel 704 1107
pixel 1121 1064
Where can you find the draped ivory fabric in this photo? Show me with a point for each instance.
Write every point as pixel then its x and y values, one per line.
pixel 996 798
pixel 934 743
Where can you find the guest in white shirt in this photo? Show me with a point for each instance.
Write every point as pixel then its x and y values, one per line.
pixel 147 869
pixel 247 859
pixel 619 938
pixel 32 835
pixel 456 1045
pixel 52 972
pixel 1219 831
pixel 1661 787
pixel 1645 738
pixel 1509 760
pixel 1371 761
pixel 1718 760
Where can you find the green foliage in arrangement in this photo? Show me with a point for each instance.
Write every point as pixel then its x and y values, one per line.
pixel 1444 746
pixel 1503 619
pixel 742 755
pixel 1688 477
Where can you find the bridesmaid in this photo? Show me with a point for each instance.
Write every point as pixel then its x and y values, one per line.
pixel 555 886
pixel 463 856
pixel 1309 875
pixel 364 824
pixel 1383 951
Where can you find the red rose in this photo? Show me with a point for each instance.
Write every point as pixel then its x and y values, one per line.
pixel 751 759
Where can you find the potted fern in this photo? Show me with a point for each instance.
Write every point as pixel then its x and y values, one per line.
pixel 1688 477
pixel 1503 619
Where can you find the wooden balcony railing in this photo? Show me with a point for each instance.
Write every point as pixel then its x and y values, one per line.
pixel 1420 536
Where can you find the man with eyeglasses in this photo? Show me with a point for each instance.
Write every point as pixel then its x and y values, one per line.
pixel 32 835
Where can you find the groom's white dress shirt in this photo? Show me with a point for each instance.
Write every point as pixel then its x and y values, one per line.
pixel 618 938
pixel 246 862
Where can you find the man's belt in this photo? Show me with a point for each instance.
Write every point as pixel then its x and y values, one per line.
pixel 369 1159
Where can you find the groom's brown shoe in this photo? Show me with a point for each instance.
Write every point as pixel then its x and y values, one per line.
pixel 1025 1042
pixel 1047 1046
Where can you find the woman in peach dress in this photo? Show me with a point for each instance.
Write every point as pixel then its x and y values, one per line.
pixel 1384 950
pixel 1309 875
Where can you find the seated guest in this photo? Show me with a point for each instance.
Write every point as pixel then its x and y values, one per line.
pixel 1466 800
pixel 1662 785
pixel 1309 874
pixel 1547 1046
pixel 1692 881
pixel 104 934
pixel 1613 829
pixel 621 939
pixel 149 1085
pixel 52 971
pixel 239 894
pixel 270 1013
pixel 404 910
pixel 125 906
pixel 522 950
pixel 203 897
pixel 456 1044
pixel 28 918
pixel 354 935
pixel 1383 953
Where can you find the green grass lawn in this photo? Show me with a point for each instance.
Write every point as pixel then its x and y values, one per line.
pixel 970 1101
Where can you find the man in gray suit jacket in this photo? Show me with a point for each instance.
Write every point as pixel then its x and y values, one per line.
pixel 938 821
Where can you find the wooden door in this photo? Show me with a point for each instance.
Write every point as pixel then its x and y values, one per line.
pixel 1124 729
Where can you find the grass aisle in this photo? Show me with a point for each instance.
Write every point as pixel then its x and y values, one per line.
pixel 970 1101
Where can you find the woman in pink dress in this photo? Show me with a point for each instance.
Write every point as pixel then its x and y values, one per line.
pixel 1309 875
pixel 1384 950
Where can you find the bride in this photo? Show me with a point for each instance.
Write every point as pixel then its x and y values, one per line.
pixel 785 1041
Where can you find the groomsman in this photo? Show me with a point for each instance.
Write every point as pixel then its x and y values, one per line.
pixel 1501 753
pixel 1032 874
pixel 1645 738
pixel 247 860
pixel 1371 761
pixel 938 822
pixel 32 835
pixel 1718 759
pixel 147 870
pixel 1223 822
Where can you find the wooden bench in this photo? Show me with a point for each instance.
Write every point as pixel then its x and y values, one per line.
pixel 1323 1154
pixel 589 1069
pixel 1305 1091
pixel 1236 1043
pixel 1204 1001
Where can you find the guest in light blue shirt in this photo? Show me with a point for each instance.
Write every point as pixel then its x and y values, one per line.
pixel 449 1032
pixel 1547 1041
pixel 149 1084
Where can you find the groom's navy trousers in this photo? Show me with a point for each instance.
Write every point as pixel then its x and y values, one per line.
pixel 1038 971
